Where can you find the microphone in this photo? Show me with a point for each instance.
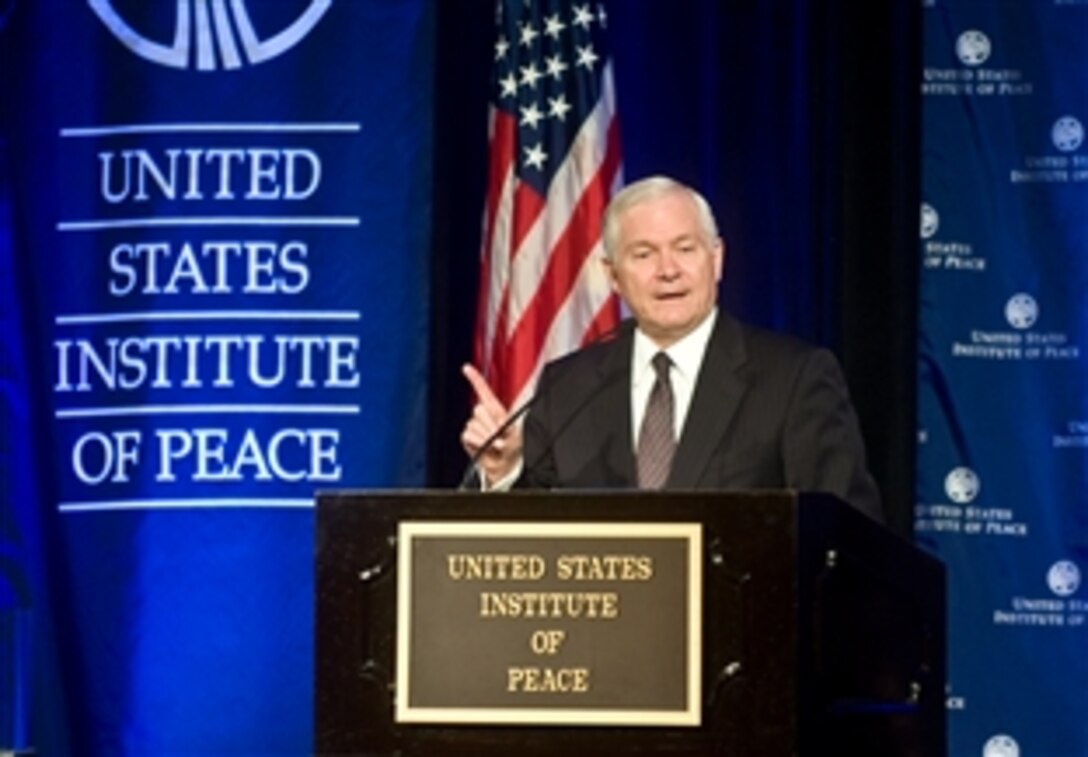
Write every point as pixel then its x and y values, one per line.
pixel 514 417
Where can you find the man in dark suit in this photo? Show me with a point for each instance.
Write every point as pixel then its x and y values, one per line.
pixel 684 396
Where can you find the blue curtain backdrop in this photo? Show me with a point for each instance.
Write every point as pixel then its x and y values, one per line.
pixel 1002 491
pixel 210 222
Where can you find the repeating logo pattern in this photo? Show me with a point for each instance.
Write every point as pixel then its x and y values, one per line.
pixel 1005 161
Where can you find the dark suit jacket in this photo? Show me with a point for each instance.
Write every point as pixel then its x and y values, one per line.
pixel 768 412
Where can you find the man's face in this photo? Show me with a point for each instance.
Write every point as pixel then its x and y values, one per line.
pixel 665 268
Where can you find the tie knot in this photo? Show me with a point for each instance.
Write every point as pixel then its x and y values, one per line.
pixel 661 365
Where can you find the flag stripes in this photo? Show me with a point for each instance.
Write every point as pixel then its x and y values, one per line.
pixel 543 289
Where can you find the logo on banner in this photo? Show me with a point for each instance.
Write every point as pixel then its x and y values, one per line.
pixel 194 25
pixel 943 254
pixel 1061 167
pixel 1063 578
pixel 1067 134
pixel 962 487
pixel 973 48
pixel 1064 611
pixel 930 220
pixel 1001 746
pixel 1022 312
pixel 206 366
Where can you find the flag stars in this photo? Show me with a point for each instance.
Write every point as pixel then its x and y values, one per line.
pixel 535 156
pixel 553 26
pixel 539 56
pixel 556 67
pixel 558 107
pixel 509 85
pixel 582 16
pixel 530 116
pixel 527 34
pixel 586 57
pixel 530 75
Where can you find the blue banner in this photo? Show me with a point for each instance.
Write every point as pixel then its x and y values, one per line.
pixel 1002 493
pixel 220 274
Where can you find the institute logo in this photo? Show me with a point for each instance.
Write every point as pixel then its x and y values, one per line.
pixel 942 253
pixel 1063 578
pixel 930 220
pixel 1060 165
pixel 1022 341
pixel 962 485
pixel 1001 746
pixel 971 77
pixel 973 48
pixel 209 34
pixel 1067 133
pixel 1021 311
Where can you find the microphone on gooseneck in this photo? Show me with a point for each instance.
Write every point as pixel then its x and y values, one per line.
pixel 514 417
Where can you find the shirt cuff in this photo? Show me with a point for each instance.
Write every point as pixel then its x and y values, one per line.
pixel 504 484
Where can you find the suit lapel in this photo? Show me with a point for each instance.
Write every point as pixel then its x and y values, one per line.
pixel 718 393
pixel 612 415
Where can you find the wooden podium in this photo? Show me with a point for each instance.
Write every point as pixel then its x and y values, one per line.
pixel 819 632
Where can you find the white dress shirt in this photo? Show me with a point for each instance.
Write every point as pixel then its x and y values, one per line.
pixel 686 356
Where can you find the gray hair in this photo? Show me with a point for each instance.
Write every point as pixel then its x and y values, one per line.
pixel 652 188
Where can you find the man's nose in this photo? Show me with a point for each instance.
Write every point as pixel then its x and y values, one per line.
pixel 667 266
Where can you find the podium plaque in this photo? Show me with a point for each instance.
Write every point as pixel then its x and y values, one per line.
pixel 549 623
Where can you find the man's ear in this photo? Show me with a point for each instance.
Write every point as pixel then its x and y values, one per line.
pixel 719 265
pixel 610 272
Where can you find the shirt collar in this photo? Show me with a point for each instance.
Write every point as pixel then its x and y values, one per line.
pixel 686 353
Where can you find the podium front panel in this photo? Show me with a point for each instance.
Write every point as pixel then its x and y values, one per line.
pixel 820 630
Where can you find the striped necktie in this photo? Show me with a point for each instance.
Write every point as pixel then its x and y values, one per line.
pixel 656 443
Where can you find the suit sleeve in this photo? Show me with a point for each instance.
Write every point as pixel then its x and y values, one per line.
pixel 822 445
pixel 538 469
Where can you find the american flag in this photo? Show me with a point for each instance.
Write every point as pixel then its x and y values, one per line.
pixel 554 163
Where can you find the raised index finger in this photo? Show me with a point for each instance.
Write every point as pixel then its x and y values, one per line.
pixel 483 390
